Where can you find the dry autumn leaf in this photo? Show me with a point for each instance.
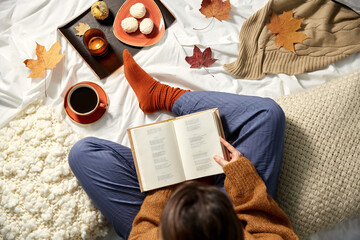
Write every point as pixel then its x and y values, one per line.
pixel 216 8
pixel 81 28
pixel 285 28
pixel 200 59
pixel 45 60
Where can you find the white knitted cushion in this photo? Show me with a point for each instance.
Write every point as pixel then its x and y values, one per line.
pixel 319 184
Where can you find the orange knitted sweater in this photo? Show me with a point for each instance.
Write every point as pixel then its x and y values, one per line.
pixel 262 218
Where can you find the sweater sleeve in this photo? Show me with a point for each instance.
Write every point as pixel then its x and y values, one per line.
pixel 260 215
pixel 146 222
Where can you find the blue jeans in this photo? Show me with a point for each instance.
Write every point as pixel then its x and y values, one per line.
pixel 255 126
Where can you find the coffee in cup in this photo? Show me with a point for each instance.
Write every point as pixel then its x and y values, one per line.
pixel 83 99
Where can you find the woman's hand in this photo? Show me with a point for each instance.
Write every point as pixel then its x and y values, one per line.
pixel 234 153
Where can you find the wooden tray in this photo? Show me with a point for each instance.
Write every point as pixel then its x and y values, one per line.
pixel 106 65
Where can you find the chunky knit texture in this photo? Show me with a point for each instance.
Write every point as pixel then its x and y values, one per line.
pixel 260 214
pixel 333 30
pixel 40 198
pixel 319 183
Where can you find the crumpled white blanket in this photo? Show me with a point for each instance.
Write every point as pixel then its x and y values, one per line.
pixel 25 22
pixel 353 4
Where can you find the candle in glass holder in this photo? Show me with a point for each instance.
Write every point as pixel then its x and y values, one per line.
pixel 95 42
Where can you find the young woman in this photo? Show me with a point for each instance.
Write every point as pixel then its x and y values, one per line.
pixel 254 126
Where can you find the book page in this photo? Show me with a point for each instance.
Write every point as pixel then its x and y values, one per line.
pixel 157 155
pixel 198 140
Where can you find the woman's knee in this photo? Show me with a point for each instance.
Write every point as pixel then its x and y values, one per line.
pixel 275 116
pixel 80 150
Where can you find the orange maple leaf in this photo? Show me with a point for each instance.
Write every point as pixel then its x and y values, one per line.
pixel 285 28
pixel 45 60
pixel 216 8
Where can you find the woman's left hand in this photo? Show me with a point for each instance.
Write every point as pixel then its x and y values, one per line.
pixel 234 153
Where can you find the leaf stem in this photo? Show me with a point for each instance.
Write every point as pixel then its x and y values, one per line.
pixel 212 19
pixel 209 72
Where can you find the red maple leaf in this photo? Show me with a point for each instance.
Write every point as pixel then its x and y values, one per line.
pixel 200 59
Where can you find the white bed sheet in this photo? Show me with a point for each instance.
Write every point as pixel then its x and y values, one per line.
pixel 23 22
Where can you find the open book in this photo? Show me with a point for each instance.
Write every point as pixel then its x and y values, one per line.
pixel 178 149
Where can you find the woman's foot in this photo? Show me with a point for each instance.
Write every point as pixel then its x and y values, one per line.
pixel 151 94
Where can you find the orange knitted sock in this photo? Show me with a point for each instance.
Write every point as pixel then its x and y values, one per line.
pixel 151 94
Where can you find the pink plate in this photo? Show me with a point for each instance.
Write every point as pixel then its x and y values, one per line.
pixel 137 38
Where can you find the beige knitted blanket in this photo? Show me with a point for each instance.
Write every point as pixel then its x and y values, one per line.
pixel 319 183
pixel 333 30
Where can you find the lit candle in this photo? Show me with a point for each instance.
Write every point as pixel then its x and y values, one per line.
pixel 96 42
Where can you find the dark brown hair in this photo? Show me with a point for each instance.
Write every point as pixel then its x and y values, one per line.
pixel 199 211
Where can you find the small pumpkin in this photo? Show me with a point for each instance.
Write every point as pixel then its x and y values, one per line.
pixel 100 10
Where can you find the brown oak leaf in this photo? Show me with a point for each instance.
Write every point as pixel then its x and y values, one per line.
pixel 45 60
pixel 285 28
pixel 81 28
pixel 216 8
pixel 200 59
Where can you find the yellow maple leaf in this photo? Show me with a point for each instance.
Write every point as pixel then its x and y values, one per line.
pixel 81 28
pixel 45 60
pixel 285 28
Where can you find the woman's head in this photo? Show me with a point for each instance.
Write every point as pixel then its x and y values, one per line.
pixel 199 211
